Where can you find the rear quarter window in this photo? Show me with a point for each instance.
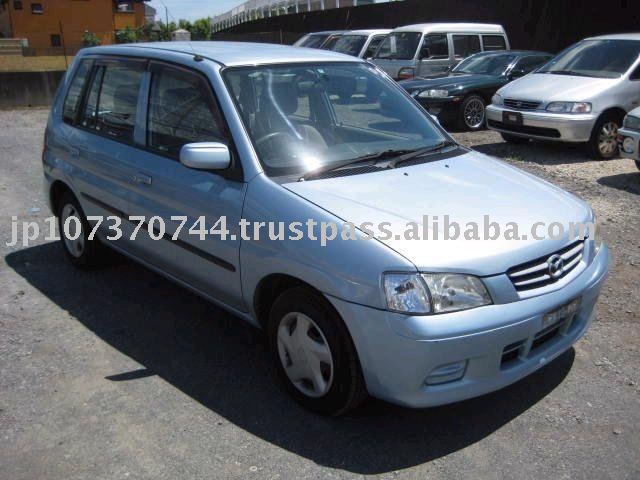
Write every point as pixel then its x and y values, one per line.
pixel 74 94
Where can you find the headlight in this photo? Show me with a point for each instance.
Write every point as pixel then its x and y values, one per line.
pixel 569 107
pixel 497 99
pixel 433 94
pixel 629 145
pixel 631 122
pixel 434 292
pixel 451 292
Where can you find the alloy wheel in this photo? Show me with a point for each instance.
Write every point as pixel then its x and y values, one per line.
pixel 474 113
pixel 305 354
pixel 608 139
pixel 75 247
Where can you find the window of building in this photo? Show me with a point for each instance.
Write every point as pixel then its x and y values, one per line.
pixel 465 45
pixel 494 42
pixel 181 110
pixel 72 102
pixel 55 40
pixel 17 5
pixel 435 47
pixel 125 7
pixel 112 103
pixel 36 9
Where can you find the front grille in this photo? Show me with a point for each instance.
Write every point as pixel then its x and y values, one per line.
pixel 521 104
pixel 526 129
pixel 536 274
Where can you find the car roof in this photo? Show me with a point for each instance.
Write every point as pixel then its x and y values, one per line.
pixel 230 53
pixel 511 52
pixel 617 36
pixel 373 31
pixel 452 27
pixel 325 32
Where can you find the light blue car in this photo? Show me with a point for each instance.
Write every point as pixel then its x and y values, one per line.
pixel 167 151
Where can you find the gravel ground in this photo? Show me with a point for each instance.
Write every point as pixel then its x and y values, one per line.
pixel 121 374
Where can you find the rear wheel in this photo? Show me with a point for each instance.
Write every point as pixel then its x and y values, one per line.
pixel 74 233
pixel 313 353
pixel 603 144
pixel 472 113
pixel 514 139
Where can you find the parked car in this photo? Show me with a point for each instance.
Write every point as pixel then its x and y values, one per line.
pixel 460 96
pixel 208 134
pixel 316 39
pixel 580 96
pixel 430 48
pixel 357 43
pixel 630 136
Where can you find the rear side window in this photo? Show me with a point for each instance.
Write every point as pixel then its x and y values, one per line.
pixel 181 110
pixel 435 47
pixel 465 45
pixel 494 42
pixel 74 94
pixel 112 102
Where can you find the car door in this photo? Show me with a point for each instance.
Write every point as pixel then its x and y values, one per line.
pixel 464 45
pixel 631 90
pixel 434 56
pixel 101 143
pixel 178 205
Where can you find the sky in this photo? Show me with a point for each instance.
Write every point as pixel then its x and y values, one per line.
pixel 192 9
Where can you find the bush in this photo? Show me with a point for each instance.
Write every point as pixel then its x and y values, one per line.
pixel 90 39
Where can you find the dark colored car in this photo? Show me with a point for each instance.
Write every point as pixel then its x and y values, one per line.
pixel 460 96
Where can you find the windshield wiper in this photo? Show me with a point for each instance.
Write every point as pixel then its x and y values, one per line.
pixel 569 72
pixel 422 152
pixel 354 161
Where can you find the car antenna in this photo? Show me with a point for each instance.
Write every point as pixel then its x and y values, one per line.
pixel 196 57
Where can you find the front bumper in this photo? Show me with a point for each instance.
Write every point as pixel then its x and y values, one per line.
pixel 398 352
pixel 446 109
pixel 635 135
pixel 543 125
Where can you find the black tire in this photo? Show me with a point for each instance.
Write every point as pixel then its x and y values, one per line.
pixel 464 122
pixel 638 164
pixel 93 254
pixel 593 146
pixel 347 389
pixel 514 139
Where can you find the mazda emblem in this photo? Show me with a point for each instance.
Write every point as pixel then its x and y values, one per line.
pixel 555 266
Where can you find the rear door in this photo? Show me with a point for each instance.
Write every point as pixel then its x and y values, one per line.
pixel 181 108
pixel 434 54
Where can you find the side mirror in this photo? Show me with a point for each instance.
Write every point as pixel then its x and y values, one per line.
pixel 517 73
pixel 205 156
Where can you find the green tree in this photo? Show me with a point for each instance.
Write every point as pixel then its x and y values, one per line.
pixel 127 35
pixel 90 39
pixel 201 29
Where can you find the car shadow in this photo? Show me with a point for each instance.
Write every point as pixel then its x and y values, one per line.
pixel 542 153
pixel 221 362
pixel 627 182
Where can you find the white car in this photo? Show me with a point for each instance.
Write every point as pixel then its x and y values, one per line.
pixel 580 96
pixel 630 136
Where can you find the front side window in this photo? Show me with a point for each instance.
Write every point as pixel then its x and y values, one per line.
pixel 435 47
pixel 491 64
pixel 399 46
pixel 494 42
pixel 181 110
pixel 373 46
pixel 595 58
pixel 349 44
pixel 465 45
pixel 305 117
pixel 112 102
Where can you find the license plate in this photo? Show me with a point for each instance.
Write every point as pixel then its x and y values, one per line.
pixel 512 118
pixel 564 312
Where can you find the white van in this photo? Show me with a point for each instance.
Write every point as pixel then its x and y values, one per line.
pixel 430 48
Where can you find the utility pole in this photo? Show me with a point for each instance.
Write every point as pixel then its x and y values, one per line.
pixel 166 16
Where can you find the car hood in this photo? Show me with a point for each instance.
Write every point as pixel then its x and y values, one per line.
pixel 546 87
pixel 448 81
pixel 466 188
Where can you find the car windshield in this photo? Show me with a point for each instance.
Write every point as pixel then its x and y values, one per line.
pixel 399 46
pixel 349 44
pixel 595 58
pixel 313 41
pixel 485 64
pixel 305 117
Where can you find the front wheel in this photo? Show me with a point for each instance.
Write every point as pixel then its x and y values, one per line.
pixel 313 353
pixel 472 113
pixel 603 144
pixel 638 164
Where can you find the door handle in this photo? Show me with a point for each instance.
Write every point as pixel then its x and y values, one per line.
pixel 141 178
